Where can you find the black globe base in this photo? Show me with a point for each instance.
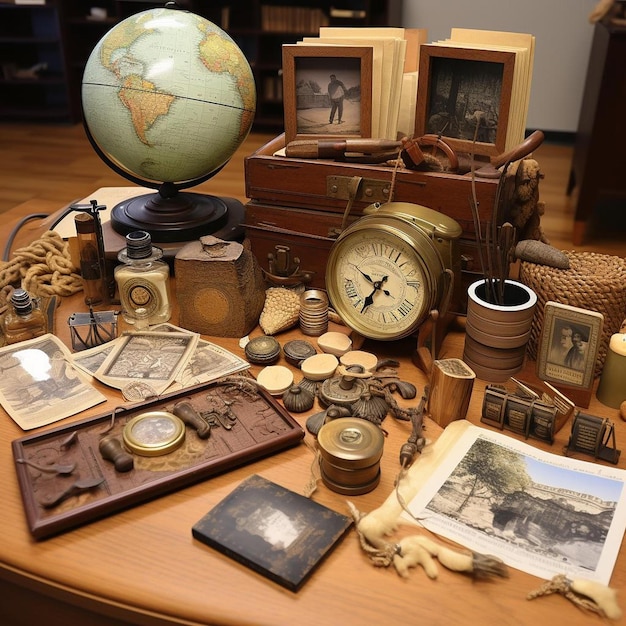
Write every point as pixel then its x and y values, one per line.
pixel 181 217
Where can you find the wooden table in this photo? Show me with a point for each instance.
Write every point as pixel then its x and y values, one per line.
pixel 142 566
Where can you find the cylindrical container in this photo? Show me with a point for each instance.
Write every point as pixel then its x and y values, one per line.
pixel 314 312
pixel 143 281
pixel 350 450
pixel 91 265
pixel 612 386
pixel 496 335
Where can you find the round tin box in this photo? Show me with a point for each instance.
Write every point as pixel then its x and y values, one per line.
pixel 350 451
pixel 262 350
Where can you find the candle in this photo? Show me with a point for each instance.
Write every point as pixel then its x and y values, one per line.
pixel 612 387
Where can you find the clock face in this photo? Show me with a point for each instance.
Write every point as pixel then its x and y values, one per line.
pixel 378 283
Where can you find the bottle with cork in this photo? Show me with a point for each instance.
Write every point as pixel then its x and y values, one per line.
pixel 24 319
pixel 143 281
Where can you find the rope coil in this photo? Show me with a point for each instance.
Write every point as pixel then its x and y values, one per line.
pixel 43 268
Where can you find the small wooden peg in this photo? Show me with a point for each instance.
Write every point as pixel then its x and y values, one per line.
pixel 111 449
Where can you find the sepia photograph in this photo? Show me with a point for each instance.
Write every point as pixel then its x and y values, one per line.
pixel 569 345
pixel 91 359
pixel 464 96
pixel 151 357
pixel 327 91
pixel 39 384
pixel 207 363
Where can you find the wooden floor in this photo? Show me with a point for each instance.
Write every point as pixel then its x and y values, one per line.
pixel 56 164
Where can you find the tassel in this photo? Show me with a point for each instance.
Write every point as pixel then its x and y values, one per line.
pixel 605 597
pixel 586 594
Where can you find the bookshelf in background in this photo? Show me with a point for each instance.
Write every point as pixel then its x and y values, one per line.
pixel 33 78
pixel 261 27
pixel 62 33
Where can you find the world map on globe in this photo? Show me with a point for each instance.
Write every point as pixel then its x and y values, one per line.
pixel 168 96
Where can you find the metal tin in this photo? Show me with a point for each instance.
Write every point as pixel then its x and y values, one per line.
pixel 262 350
pixel 298 350
pixel 350 451
pixel 154 433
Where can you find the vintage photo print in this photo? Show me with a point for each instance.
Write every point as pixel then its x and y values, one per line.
pixel 539 512
pixel 569 345
pixel 149 357
pixel 464 97
pixel 39 384
pixel 327 91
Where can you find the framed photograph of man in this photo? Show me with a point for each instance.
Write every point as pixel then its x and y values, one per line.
pixel 327 91
pixel 464 96
pixel 568 345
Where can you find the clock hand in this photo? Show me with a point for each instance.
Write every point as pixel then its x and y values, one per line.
pixel 367 278
pixel 377 286
pixel 384 280
pixel 369 299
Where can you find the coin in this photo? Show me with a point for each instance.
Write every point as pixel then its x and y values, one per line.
pixel 138 390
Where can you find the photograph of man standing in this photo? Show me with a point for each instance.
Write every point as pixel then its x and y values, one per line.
pixel 336 93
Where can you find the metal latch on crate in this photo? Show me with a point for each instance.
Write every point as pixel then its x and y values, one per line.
pixel 358 189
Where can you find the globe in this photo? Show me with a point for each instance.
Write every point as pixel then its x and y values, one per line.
pixel 167 98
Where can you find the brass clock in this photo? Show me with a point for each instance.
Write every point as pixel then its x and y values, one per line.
pixel 388 270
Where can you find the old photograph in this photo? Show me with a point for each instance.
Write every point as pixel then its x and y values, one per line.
pixel 538 512
pixel 207 363
pixel 328 96
pixel 39 384
pixel 569 344
pixel 153 358
pixel 465 97
pixel 91 359
pixel 327 91
pixel 464 100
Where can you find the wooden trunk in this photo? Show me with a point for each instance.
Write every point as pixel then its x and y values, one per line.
pixel 302 203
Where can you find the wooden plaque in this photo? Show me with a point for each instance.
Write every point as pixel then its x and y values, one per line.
pixel 245 425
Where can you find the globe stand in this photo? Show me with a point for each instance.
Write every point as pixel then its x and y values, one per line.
pixel 170 215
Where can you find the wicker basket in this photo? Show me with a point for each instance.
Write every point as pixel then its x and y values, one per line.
pixel 596 282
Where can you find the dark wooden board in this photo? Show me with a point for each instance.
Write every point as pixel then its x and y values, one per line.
pixel 262 427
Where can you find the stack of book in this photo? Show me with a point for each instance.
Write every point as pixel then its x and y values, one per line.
pixel 292 19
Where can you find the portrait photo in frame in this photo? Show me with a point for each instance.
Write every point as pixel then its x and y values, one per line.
pixel 327 91
pixel 464 96
pixel 569 344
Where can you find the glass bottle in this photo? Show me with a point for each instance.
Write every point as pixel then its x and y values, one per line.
pixel 24 319
pixel 143 281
